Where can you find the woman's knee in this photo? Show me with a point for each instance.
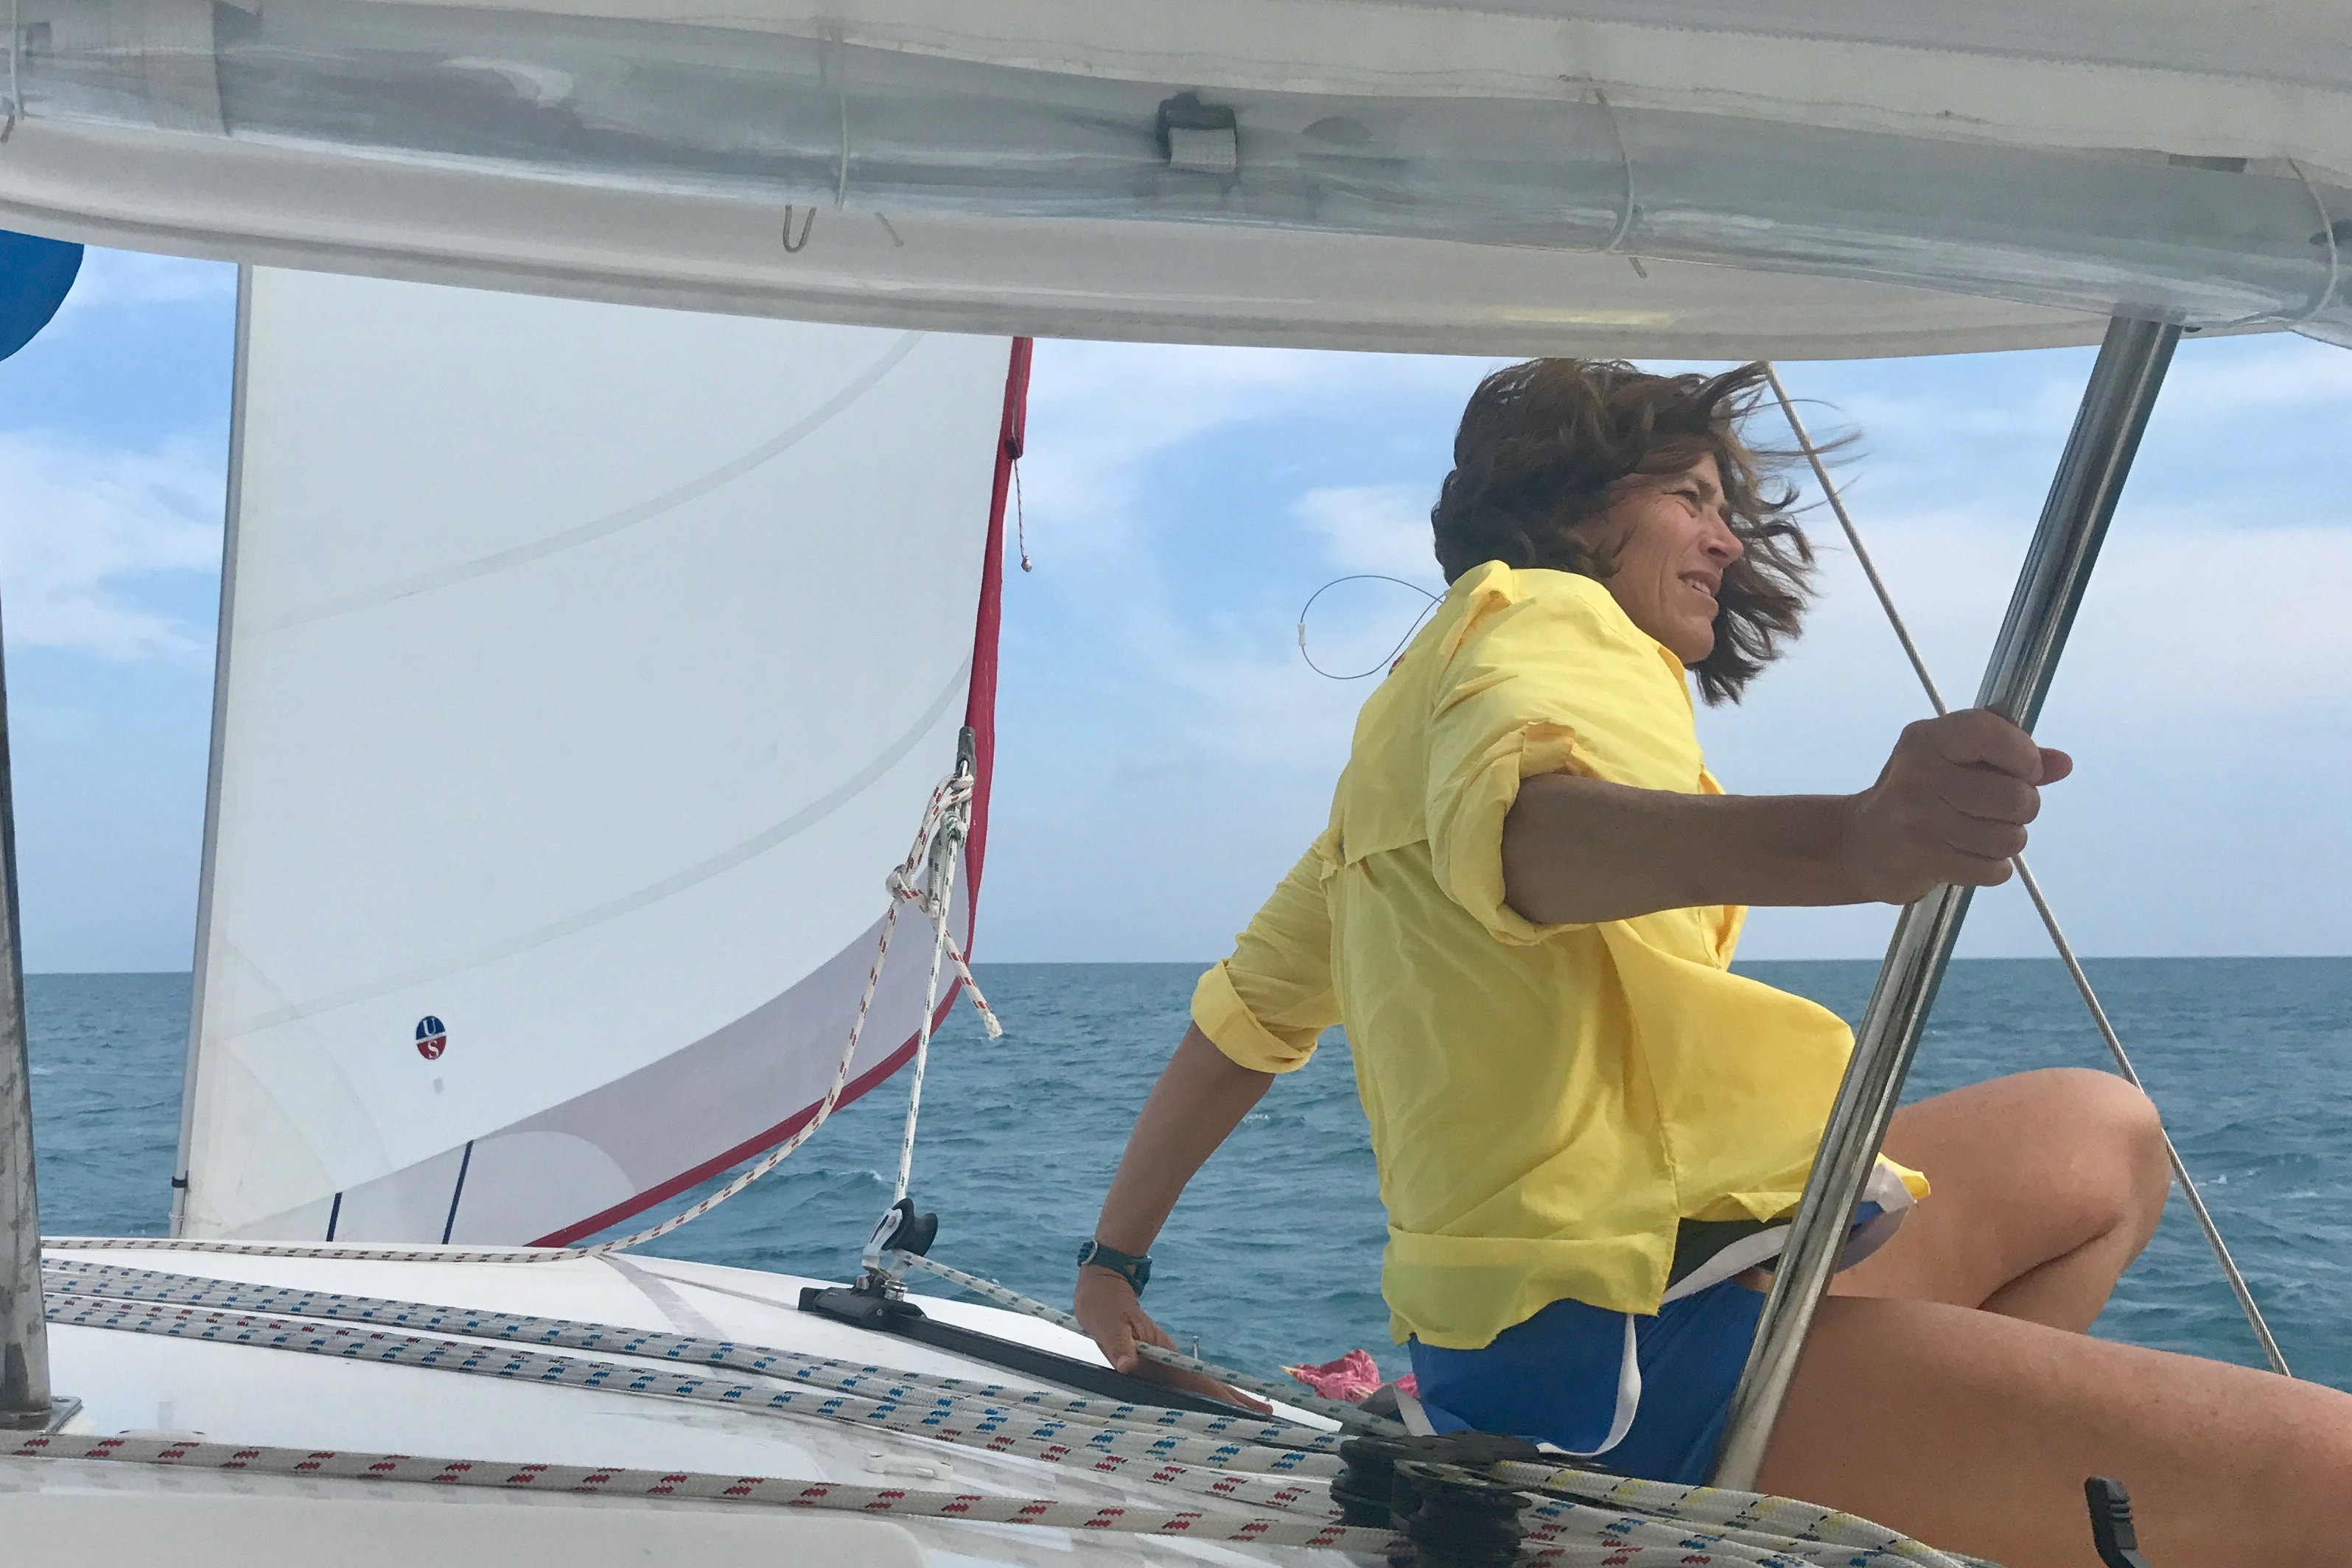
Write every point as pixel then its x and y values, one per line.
pixel 2117 1135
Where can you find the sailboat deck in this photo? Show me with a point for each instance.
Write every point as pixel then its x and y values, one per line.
pixel 165 1384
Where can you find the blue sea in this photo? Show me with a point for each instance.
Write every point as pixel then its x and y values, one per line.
pixel 1273 1257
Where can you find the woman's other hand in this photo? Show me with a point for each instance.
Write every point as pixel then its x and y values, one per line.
pixel 1107 1308
pixel 1951 806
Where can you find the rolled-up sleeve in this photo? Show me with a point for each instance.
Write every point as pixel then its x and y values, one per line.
pixel 1536 685
pixel 1265 1007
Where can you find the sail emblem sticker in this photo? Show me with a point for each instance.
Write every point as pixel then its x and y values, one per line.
pixel 432 1040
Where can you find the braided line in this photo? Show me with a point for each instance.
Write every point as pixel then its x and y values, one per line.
pixel 621 1480
pixel 114 1282
pixel 1188 1463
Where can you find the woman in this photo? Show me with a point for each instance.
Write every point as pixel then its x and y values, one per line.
pixel 1589 1131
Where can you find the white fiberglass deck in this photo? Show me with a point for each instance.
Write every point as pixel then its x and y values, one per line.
pixel 149 1384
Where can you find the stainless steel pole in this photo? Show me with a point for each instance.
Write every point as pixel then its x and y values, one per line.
pixel 2091 473
pixel 24 1398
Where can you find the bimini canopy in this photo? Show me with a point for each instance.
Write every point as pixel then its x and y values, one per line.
pixel 1664 176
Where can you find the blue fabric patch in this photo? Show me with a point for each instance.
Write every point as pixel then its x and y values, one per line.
pixel 1554 1378
pixel 36 275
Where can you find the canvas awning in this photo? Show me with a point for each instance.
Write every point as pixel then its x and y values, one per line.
pixel 1674 177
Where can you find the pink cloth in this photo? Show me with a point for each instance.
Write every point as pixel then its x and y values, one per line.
pixel 1353 1378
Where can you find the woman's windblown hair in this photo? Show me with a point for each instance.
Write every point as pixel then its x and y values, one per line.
pixel 1551 443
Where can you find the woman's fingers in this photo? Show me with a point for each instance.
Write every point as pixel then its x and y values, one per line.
pixel 1981 837
pixel 1952 805
pixel 1993 796
pixel 1980 738
pixel 1107 1309
pixel 1184 1377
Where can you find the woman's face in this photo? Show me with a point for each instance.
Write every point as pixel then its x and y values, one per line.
pixel 1668 543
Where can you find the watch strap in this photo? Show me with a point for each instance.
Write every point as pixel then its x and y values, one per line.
pixel 1136 1271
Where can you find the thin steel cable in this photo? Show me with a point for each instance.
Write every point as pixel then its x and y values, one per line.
pixel 2254 1313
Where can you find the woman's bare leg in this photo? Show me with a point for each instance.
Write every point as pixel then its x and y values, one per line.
pixel 2047 1184
pixel 1974 1432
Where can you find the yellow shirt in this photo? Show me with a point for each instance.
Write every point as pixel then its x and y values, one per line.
pixel 1547 1102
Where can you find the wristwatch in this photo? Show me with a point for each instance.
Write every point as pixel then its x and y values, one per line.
pixel 1136 1271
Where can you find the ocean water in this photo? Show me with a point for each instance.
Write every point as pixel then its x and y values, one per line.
pixel 1273 1256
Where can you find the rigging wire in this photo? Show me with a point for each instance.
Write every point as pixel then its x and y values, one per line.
pixel 2025 876
pixel 1385 659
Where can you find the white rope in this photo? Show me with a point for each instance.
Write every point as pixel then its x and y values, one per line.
pixel 116 1282
pixel 2254 1313
pixel 1237 1473
pixel 621 1480
pixel 945 850
pixel 950 804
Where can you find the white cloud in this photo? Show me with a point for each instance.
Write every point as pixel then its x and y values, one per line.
pixel 2248 620
pixel 1101 416
pixel 1177 686
pixel 2293 373
pixel 1373 528
pixel 114 279
pixel 80 525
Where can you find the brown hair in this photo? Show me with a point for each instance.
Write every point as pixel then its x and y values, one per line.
pixel 1548 444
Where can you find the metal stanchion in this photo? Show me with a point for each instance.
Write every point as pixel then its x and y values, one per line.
pixel 26 1401
pixel 2098 457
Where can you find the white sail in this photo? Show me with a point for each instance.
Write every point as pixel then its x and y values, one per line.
pixel 1692 177
pixel 585 668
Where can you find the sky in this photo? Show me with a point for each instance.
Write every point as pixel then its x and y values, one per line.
pixel 1165 751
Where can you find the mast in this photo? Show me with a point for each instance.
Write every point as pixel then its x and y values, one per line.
pixel 221 642
pixel 2090 478
pixel 26 1401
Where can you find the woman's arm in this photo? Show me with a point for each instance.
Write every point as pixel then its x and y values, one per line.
pixel 1951 806
pixel 1201 1097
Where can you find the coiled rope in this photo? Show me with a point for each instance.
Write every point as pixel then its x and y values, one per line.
pixel 2253 1314
pixel 946 817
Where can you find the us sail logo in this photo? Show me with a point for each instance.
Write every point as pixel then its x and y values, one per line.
pixel 432 1040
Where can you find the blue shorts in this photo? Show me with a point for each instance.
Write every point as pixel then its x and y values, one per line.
pixel 1646 1395
pixel 1563 1378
